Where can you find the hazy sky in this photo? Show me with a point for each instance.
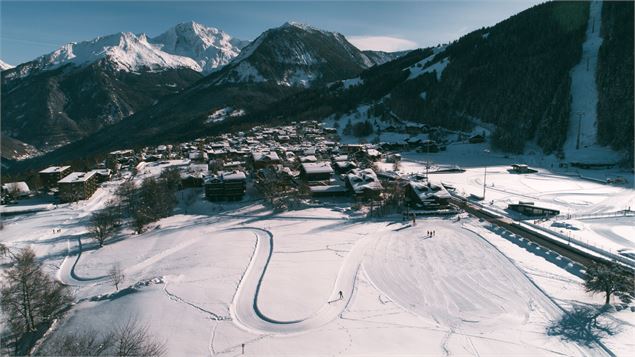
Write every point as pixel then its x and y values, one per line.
pixel 29 29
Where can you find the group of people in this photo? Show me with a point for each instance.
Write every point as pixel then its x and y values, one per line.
pixel 432 233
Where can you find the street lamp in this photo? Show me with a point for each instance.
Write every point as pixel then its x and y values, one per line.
pixel 580 114
pixel 485 176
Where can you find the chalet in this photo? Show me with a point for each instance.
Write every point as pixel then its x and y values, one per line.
pixel 16 189
pixel 328 190
pixel 428 146
pixel 476 139
pixel 427 196
pixel 351 148
pixel 77 186
pixel 521 169
pixel 308 158
pixel 189 180
pixel 264 159
pixel 103 175
pixel 51 175
pixel 364 183
pixel 344 167
pixel 529 209
pixel 227 185
pixel 198 156
pixel 373 154
pixel 316 171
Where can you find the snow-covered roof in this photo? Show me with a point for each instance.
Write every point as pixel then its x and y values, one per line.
pixel 222 176
pixel 233 175
pixel 54 169
pixel 20 187
pixel 265 156
pixel 77 177
pixel 364 180
pixel 317 167
pixel 427 191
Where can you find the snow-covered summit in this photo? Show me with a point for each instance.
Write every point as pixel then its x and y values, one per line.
pixel 4 65
pixel 125 51
pixel 210 47
pixel 295 54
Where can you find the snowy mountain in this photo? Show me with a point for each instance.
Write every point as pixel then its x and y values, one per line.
pixel 82 87
pixel 211 48
pixel 123 51
pixel 281 62
pixel 381 57
pixel 4 66
pixel 295 55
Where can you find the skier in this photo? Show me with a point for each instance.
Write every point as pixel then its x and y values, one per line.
pixel 341 295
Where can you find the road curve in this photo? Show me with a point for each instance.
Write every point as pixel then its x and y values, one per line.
pixel 66 272
pixel 246 313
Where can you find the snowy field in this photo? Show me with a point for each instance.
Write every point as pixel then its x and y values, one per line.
pixel 575 193
pixel 225 275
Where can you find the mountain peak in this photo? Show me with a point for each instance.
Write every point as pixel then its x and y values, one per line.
pixel 125 51
pixel 210 47
pixel 4 65
pixel 296 54
pixel 297 25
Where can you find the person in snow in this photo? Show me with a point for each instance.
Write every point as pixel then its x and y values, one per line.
pixel 341 295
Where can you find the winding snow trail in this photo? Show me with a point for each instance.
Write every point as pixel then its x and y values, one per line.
pixel 66 273
pixel 245 310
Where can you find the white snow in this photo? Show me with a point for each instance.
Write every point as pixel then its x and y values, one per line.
pixel 4 66
pixel 224 275
pixel 352 82
pixel 584 99
pixel 419 68
pixel 243 72
pixel 437 67
pixel 126 51
pixel 211 48
pixel 224 113
pixel 298 77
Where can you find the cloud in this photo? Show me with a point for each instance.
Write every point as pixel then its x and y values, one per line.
pixel 382 43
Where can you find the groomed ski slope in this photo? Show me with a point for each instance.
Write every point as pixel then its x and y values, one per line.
pixel 584 98
pixel 454 280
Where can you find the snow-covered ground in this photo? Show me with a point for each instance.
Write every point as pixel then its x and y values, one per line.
pixel 229 274
pixel 580 194
pixel 581 143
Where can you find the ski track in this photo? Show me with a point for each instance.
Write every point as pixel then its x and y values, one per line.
pixel 477 290
pixel 246 313
pixel 66 272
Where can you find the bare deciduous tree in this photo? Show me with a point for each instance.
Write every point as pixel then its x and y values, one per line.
pixel 133 339
pixel 102 225
pixel 116 276
pixel 130 338
pixel 29 297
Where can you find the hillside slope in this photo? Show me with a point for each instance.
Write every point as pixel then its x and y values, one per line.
pixel 615 77
pixel 514 75
pixel 281 62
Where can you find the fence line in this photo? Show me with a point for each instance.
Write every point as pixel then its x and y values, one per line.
pixel 622 213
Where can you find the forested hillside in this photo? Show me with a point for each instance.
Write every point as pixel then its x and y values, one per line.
pixel 615 77
pixel 514 75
